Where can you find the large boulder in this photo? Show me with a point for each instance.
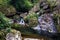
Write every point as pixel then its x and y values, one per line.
pixel 14 35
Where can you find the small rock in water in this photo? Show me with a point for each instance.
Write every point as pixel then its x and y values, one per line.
pixel 22 22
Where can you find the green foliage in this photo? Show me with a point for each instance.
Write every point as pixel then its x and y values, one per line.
pixel 15 25
pixel 4 22
pixel 32 18
pixel 3 34
pixel 57 15
pixel 3 8
pixel 6 8
pixel 21 5
pixel 58 28
pixel 16 17
pixel 52 5
pixel 24 30
pixel 55 18
pixel 32 15
pixel 4 2
pixel 33 22
pixel 10 10
pixel 34 1
pixel 52 2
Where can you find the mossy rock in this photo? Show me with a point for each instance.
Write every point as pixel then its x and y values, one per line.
pixel 32 19
pixel 7 10
pixel 15 31
pixel 3 34
pixel 33 22
pixel 16 25
pixel 58 28
pixel 16 17
pixel 11 11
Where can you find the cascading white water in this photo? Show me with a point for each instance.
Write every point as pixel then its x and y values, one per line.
pixel 22 22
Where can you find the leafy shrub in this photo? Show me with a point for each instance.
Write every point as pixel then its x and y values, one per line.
pixel 4 2
pixel 52 4
pixel 32 19
pixel 3 34
pixel 15 25
pixel 4 22
pixel 10 10
pixel 21 5
pixel 34 1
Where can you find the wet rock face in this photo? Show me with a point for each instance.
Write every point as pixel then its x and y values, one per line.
pixel 46 23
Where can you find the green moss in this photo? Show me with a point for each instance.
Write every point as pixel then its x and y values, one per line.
pixel 32 19
pixel 58 28
pixel 7 10
pixel 4 22
pixel 33 22
pixel 3 34
pixel 15 25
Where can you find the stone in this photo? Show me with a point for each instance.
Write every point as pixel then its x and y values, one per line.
pixel 30 39
pixel 22 22
pixel 14 36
